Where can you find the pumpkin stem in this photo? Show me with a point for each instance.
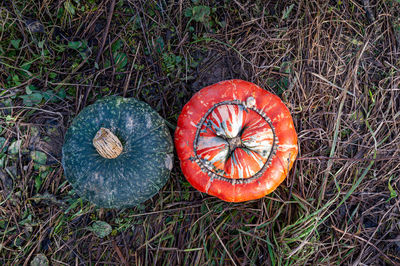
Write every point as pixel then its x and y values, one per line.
pixel 234 143
pixel 107 144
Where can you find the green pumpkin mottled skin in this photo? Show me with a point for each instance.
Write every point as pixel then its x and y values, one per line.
pixel 138 173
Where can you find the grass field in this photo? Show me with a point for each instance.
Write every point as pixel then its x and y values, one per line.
pixel 335 64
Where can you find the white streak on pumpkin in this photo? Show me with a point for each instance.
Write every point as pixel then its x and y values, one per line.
pixel 286 147
pixel 210 142
pixel 229 113
pixel 169 161
pixel 209 183
pixel 129 123
pixel 149 123
pixel 278 117
pixel 269 107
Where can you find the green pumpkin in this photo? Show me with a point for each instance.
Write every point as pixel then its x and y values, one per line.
pixel 136 174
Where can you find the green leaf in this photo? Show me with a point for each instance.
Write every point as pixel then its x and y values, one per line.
pixel 69 7
pixel 76 45
pixel 188 12
pixel 160 44
pixel 16 80
pixel 32 99
pixel 100 229
pixel 15 43
pixel 116 45
pixel 80 46
pixel 40 260
pixel 52 75
pixel 47 197
pixel 357 42
pixel 41 44
pixel 284 83
pixel 2 160
pixel 107 63
pixel 393 193
pixel 287 11
pixel 201 13
pixel 26 66
pixel 29 89
pixel 38 182
pixel 2 142
pixel 286 67
pixel 39 157
pixel 62 94
pixel 24 71
pixel 120 60
pixel 50 96
pixel 15 147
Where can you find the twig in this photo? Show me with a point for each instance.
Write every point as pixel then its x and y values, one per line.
pixel 118 250
pixel 105 33
pixel 226 250
pixel 332 84
pixel 128 78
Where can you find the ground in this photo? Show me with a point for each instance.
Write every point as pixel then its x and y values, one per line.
pixel 335 64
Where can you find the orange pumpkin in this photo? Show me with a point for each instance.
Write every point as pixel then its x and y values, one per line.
pixel 235 141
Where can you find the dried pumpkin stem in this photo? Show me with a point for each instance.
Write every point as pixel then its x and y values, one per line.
pixel 107 144
pixel 234 143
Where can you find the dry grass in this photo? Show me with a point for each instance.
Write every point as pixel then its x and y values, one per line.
pixel 334 63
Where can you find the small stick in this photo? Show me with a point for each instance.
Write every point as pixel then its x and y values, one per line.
pixel 128 78
pixel 118 250
pixel 105 33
